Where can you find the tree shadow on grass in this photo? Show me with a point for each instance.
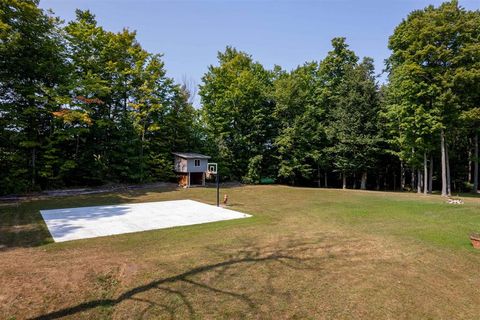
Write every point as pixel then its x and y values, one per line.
pixel 22 232
pixel 245 258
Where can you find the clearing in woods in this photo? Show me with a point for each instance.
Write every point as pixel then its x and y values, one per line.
pixel 305 253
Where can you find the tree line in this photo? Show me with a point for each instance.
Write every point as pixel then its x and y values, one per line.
pixel 84 106
pixel 80 105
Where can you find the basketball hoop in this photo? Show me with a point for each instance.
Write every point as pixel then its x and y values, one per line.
pixel 212 168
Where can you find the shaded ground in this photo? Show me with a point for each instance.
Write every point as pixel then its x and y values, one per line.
pixel 84 191
pixel 306 253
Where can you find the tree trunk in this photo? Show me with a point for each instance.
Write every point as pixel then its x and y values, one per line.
pixel 402 176
pixel 142 164
pixel 77 145
pixel 449 178
pixel 394 181
pixel 430 178
pixel 125 98
pixel 413 179
pixel 419 181
pixel 470 165
pixel 34 170
pixel 385 179
pixel 363 184
pixel 354 185
pixel 475 165
pixel 318 175
pixel 425 173
pixel 444 164
pixel 326 179
pixel 344 178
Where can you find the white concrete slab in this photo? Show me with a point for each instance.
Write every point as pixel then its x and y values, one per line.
pixel 89 222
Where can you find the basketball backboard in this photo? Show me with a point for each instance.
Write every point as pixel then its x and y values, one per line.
pixel 212 168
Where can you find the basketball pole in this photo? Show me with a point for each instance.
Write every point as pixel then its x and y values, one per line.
pixel 218 189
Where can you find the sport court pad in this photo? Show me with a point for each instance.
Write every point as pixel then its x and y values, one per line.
pixel 90 222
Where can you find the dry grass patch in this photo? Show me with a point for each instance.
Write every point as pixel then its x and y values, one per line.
pixel 306 254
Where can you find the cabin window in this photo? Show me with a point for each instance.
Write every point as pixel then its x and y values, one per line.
pixel 197 163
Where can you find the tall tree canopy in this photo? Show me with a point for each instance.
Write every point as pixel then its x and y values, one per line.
pixel 32 68
pixel 431 51
pixel 354 131
pixel 237 105
pixel 301 137
pixel 349 93
pixel 81 105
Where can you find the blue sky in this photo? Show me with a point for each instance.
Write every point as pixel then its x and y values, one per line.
pixel 287 33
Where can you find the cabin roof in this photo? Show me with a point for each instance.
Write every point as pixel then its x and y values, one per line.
pixel 191 155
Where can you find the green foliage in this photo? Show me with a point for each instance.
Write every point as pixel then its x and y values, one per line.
pixel 352 100
pixel 300 116
pixel 83 105
pixel 433 79
pixel 254 172
pixel 32 68
pixel 237 110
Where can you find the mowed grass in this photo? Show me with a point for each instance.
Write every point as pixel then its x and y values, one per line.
pixel 305 254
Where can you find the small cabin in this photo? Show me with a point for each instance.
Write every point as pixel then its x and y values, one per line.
pixel 190 168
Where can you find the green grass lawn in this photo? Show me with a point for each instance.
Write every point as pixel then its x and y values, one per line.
pixel 305 254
